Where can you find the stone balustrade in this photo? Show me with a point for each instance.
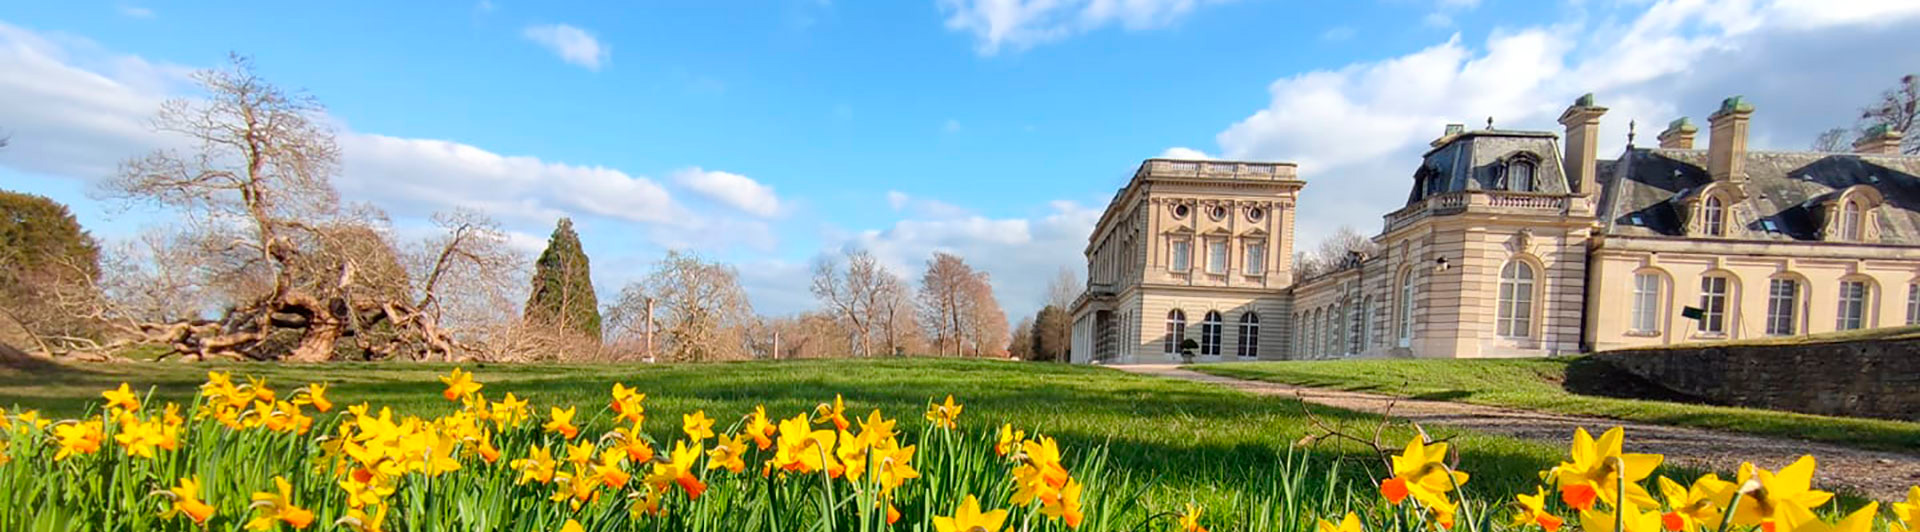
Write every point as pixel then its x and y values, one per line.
pixel 1217 169
pixel 1488 201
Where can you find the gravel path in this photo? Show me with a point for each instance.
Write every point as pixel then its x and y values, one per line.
pixel 1881 475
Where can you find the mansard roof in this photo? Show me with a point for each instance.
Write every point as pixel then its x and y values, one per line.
pixel 1642 193
pixel 1477 160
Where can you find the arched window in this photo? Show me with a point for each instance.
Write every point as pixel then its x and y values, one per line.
pixel 1646 311
pixel 1851 225
pixel 1336 328
pixel 1713 215
pixel 1783 306
pixel 1176 330
pixel 1366 324
pixel 1520 176
pixel 1715 291
pixel 1210 334
pixel 1854 295
pixel 1355 334
pixel 1248 345
pixel 1309 345
pixel 1515 312
pixel 1406 308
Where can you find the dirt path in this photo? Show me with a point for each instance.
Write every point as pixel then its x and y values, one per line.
pixel 1881 475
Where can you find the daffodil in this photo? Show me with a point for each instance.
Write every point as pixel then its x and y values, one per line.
pixel 801 449
pixel 697 425
pixel 1859 521
pixel 1907 514
pixel 277 507
pixel 122 398
pixel 835 413
pixel 1009 440
pixel 1350 523
pixel 627 404
pixel 509 412
pixel 561 421
pixel 1190 519
pixel 1064 504
pixel 726 453
pixel 572 526
pixel 1630 518
pixel 1419 471
pixel 1781 500
pixel 969 518
pixel 944 415
pixel 361 520
pixel 78 438
pixel 678 471
pixel 876 428
pixel 140 438
pixel 186 501
pixel 895 467
pixel 315 395
pixel 1692 508
pixel 1597 471
pixel 1533 511
pixel 760 429
pixel 459 384
pixel 538 466
pixel 1441 513
pixel 580 454
pixel 610 470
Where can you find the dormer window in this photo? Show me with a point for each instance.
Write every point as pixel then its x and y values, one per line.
pixel 1520 176
pixel 1713 217
pixel 1849 215
pixel 1851 222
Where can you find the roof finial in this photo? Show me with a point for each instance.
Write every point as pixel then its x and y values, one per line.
pixel 1489 123
pixel 1631 125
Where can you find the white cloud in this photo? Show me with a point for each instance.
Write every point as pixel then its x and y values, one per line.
pixel 1181 152
pixel 418 176
pixel 1019 24
pixel 573 45
pixel 133 11
pixel 925 208
pixel 1020 254
pixel 897 199
pixel 733 190
pixel 1359 129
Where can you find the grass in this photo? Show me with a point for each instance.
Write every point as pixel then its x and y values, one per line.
pixel 1565 386
pixel 1193 438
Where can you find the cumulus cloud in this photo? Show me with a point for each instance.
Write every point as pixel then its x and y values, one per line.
pixel 1359 129
pixel 574 45
pixel 1182 152
pixel 732 190
pixel 1019 24
pixel 1020 254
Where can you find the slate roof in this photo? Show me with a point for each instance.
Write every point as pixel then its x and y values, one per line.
pixel 1641 192
pixel 1475 160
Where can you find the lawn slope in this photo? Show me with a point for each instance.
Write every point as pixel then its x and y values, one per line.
pixel 1577 385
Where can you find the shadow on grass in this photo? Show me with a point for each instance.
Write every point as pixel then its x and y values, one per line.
pixel 1594 377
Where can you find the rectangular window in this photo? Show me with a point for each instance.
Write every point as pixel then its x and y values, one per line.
pixel 1713 301
pixel 1217 256
pixel 1853 305
pixel 1913 304
pixel 1783 306
pixel 1646 303
pixel 1182 256
pixel 1256 259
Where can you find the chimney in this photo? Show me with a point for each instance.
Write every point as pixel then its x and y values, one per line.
pixel 1727 140
pixel 1583 136
pixel 1453 130
pixel 1879 140
pixel 1679 135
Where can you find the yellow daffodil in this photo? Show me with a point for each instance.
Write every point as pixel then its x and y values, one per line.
pixel 580 454
pixel 314 395
pixel 610 470
pixel 32 418
pixel 1441 513
pixel 1190 519
pixel 1907 513
pixel 760 429
pixel 561 421
pixel 726 453
pixel 801 449
pixel 1859 521
pixel 627 404
pixel 140 438
pixel 78 438
pixel 1064 504
pixel 697 425
pixel 360 520
pixel 1782 499
pixel 1009 440
pixel 1596 471
pixel 1533 511
pixel 1634 520
pixel 186 501
pixel 877 428
pixel 572 526
pixel 679 471
pixel 1419 471
pixel 122 398
pixel 1350 523
pixel 945 415
pixel 1692 508
pixel 835 414
pixel 4 458
pixel 969 518
pixel 277 507
pixel 895 467
pixel 459 385
pixel 1042 473
pixel 538 466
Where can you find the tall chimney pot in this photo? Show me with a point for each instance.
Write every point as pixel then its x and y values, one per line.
pixel 1879 140
pixel 1727 140
pixel 1582 121
pixel 1679 135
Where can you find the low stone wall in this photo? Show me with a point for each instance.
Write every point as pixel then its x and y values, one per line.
pixel 1862 379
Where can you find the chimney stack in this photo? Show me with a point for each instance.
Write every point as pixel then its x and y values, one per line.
pixel 1727 140
pixel 1453 130
pixel 1879 140
pixel 1583 136
pixel 1679 135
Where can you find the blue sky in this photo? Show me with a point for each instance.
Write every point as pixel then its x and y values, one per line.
pixel 766 133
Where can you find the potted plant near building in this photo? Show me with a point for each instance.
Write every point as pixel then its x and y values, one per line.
pixel 1187 348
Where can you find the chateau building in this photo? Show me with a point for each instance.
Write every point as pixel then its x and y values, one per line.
pixel 1513 244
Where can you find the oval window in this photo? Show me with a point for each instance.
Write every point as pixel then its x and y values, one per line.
pixel 1256 214
pixel 1218 212
pixel 1180 211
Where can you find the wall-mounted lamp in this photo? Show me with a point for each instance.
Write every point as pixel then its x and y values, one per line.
pixel 1440 264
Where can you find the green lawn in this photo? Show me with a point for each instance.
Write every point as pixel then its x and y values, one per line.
pixel 1568 386
pixel 1192 438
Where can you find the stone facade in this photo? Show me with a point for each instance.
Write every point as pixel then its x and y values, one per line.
pixel 1870 379
pixel 1510 245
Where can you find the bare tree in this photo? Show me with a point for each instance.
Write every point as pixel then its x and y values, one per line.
pixel 1836 140
pixel 853 294
pixel 1338 250
pixel 895 316
pixel 703 312
pixel 1898 109
pixel 1064 288
pixel 958 310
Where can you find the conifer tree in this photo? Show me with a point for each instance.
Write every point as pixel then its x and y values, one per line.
pixel 563 286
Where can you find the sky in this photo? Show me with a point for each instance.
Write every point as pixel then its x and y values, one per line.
pixel 765 134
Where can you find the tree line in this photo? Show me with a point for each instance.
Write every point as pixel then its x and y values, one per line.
pixel 265 262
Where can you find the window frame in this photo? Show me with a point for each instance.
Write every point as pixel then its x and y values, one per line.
pixel 1210 333
pixel 1854 305
pixel 1180 255
pixel 1217 256
pixel 1513 184
pixel 1176 331
pixel 1713 216
pixel 1644 311
pixel 1515 300
pixel 1713 318
pixel 1783 306
pixel 1404 325
pixel 1247 342
pixel 1255 257
pixel 1852 222
pixel 1913 303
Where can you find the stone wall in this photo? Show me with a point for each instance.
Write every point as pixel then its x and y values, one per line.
pixel 1862 379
